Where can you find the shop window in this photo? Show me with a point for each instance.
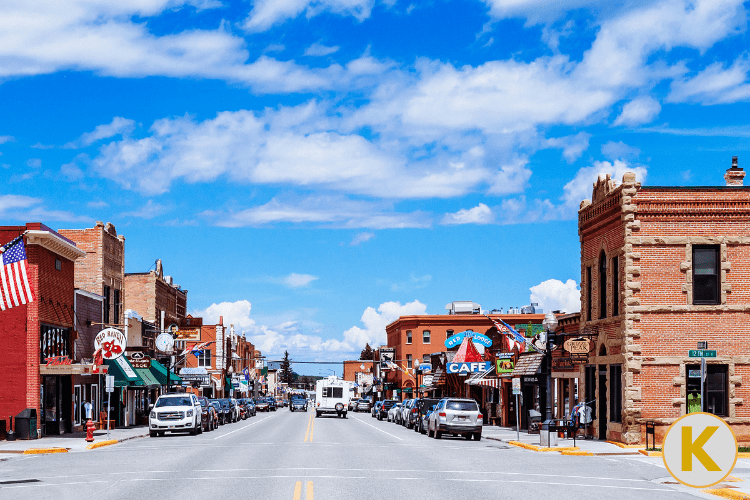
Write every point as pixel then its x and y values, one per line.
pixel 588 294
pixel 58 265
pixel 426 359
pixel 591 389
pixel 53 341
pixel 715 390
pixel 426 337
pixel 408 336
pixel 116 315
pixel 705 274
pixel 615 393
pixel 94 401
pixel 204 358
pixel 107 296
pixel 79 413
pixel 409 361
pixel 615 286
pixel 602 286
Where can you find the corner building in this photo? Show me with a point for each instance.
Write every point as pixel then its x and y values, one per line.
pixel 663 268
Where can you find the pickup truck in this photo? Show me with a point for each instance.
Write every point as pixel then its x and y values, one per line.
pixel 298 404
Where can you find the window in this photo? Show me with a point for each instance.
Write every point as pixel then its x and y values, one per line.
pixel 408 361
pixel 116 316
pixel 107 294
pixel 426 359
pixel 426 337
pixel 706 274
pixel 602 286
pixel 591 389
pixel 588 294
pixel 615 286
pixel 53 341
pixel 333 392
pixel 408 336
pixel 204 358
pixel 58 265
pixel 615 393
pixel 715 389
pixel 94 401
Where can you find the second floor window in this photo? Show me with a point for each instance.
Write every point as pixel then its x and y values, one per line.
pixel 602 286
pixel 107 302
pixel 116 315
pixel 408 361
pixel 589 288
pixel 426 359
pixel 204 358
pixel 706 274
pixel 615 286
pixel 408 336
pixel 426 337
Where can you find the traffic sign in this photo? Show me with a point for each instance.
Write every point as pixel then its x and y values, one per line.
pixel 516 385
pixel 702 353
pixel 700 450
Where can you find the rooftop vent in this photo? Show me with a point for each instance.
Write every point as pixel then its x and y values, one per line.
pixel 735 175
pixel 463 307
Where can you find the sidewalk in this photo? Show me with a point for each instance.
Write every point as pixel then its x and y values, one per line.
pixel 72 442
pixel 585 446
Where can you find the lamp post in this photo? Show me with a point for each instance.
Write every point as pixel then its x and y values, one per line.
pixel 550 325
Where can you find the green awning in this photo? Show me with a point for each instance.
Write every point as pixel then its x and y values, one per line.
pixel 228 382
pixel 147 377
pixel 125 375
pixel 159 371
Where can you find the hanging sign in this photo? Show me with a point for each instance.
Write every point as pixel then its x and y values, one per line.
pixel 165 342
pixel 112 343
pixel 476 367
pixel 577 346
pixel 139 360
pixel 505 362
pixel 477 338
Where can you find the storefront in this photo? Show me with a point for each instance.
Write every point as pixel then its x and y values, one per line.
pixel 159 371
pixel 533 398
pixel 64 388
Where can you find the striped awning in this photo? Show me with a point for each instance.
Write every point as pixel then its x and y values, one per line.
pixel 490 382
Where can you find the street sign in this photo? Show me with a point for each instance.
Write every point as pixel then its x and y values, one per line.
pixel 110 383
pixel 516 385
pixel 425 367
pixel 700 450
pixel 702 353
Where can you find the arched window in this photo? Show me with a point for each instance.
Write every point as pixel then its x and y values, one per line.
pixel 602 285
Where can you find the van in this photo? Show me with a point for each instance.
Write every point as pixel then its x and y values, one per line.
pixel 332 395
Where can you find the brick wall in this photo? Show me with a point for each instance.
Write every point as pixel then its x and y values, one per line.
pixel 88 309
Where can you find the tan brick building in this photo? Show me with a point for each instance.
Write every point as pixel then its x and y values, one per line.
pixel 151 294
pixel 663 268
pixel 102 270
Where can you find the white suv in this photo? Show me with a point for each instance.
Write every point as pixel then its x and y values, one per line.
pixel 175 413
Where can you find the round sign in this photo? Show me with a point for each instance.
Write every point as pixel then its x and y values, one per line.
pixel 165 342
pixel 112 343
pixel 699 450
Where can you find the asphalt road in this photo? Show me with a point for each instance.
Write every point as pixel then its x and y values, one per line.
pixel 293 456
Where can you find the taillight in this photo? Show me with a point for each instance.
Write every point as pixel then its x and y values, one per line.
pixel 441 414
pixel 414 410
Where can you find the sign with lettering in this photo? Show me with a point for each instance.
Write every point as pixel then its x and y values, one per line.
pixel 577 346
pixel 112 343
pixel 516 386
pixel 58 360
pixel 477 367
pixel 139 360
pixel 505 363
pixel 702 353
pixel 126 367
pixel 700 450
pixel 188 333
pixel 477 338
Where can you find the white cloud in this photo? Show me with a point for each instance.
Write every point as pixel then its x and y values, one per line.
pixel 318 49
pixel 375 322
pixel 619 150
pixel 7 138
pixel 573 146
pixel 149 210
pixel 234 313
pixel 21 208
pixel 118 126
pixel 553 295
pixel 34 162
pixel 639 111
pixel 481 214
pixel 362 237
pixel 295 280
pixel 267 13
pixel 714 85
pixel 580 187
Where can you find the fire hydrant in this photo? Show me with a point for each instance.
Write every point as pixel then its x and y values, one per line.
pixel 90 431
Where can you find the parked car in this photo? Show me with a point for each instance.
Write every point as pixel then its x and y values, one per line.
pixel 363 405
pixel 226 410
pixel 353 404
pixel 176 413
pixel 211 420
pixel 404 413
pixel 424 420
pixel 246 410
pixel 375 411
pixel 271 404
pixel 456 416
pixel 262 405
pixel 394 411
pixel 236 409
pixel 251 406
pixel 385 407
pixel 418 411
pixel 219 410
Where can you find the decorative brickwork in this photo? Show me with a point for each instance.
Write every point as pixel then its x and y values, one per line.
pixel 150 293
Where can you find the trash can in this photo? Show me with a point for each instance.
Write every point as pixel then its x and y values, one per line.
pixel 548 434
pixel 26 424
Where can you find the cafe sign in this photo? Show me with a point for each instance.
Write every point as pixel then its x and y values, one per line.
pixel 112 343
pixel 461 368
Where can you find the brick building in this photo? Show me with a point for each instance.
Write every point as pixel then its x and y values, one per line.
pixel 362 372
pixel 155 297
pixel 39 330
pixel 102 270
pixel 663 268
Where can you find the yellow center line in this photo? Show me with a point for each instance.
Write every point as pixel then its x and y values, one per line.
pixel 297 490
pixel 309 490
pixel 309 425
pixel 312 427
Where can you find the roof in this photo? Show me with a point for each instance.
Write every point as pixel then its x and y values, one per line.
pixel 528 364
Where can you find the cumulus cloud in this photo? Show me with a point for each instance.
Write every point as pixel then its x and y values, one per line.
pixel 118 126
pixel 149 210
pixel 7 138
pixel 582 184
pixel 639 111
pixel 362 237
pixel 318 49
pixel 619 150
pixel 295 280
pixel 481 214
pixel 22 208
pixel 716 84
pixel 553 295
pixel 375 321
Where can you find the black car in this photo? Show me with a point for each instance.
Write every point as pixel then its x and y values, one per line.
pixel 383 410
pixel 220 414
pixel 298 403
pixel 226 410
pixel 247 407
pixel 271 404
pixel 418 410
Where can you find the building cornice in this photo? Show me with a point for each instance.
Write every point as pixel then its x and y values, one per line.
pixel 55 244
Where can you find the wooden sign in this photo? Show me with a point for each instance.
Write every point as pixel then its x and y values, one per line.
pixel 579 346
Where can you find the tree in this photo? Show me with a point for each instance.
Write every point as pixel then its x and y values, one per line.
pixel 367 353
pixel 285 374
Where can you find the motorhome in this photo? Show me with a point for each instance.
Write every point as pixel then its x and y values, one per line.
pixel 332 396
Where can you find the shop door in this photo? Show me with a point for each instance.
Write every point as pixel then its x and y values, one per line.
pixel 603 402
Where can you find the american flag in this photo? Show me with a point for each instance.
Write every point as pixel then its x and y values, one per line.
pixel 197 349
pixel 14 275
pixel 510 333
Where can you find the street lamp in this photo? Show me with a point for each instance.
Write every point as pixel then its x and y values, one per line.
pixel 550 325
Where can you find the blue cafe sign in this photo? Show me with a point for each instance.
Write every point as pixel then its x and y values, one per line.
pixel 476 367
pixel 477 338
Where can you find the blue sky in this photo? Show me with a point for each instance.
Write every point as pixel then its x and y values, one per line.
pixel 313 169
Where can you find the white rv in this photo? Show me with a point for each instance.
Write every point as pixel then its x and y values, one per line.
pixel 332 396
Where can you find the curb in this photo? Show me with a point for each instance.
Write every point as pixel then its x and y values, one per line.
pixel 650 453
pixel 621 445
pixel 743 454
pixel 93 446
pixel 728 493
pixel 578 453
pixel 534 447
pixel 42 451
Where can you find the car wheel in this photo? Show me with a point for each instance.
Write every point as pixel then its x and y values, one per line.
pixel 317 414
pixel 161 433
pixel 344 414
pixel 438 434
pixel 200 427
pixel 193 431
pixel 467 437
pixel 478 436
pixel 152 434
pixel 429 433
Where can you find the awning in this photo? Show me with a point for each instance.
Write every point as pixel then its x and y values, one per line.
pixel 490 382
pixel 125 375
pixel 528 364
pixel 159 371
pixel 228 383
pixel 148 378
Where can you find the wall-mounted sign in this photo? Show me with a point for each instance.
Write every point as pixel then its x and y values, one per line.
pixel 516 385
pixel 477 338
pixel 112 343
pixel 505 363
pixel 139 360
pixel 387 356
pixel 188 333
pixel 577 346
pixel 427 380
pixel 165 342
pixel 58 360
pixel 476 367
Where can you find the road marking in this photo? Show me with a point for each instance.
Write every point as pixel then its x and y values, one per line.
pixel 309 490
pixel 376 428
pixel 297 490
pixel 310 428
pixel 241 428
pixel 588 485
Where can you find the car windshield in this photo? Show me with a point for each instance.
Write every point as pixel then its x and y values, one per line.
pixel 178 401
pixel 461 405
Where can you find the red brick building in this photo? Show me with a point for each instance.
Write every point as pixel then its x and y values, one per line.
pixel 362 372
pixel 102 270
pixel 152 295
pixel 663 268
pixel 39 330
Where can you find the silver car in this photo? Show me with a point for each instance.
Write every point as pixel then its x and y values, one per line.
pixel 403 417
pixel 460 417
pixel 395 409
pixel 363 405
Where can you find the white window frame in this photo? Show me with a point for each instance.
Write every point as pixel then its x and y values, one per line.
pixel 409 361
pixel 408 337
pixel 429 336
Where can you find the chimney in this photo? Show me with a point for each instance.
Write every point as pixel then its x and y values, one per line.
pixel 221 320
pixel 735 175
